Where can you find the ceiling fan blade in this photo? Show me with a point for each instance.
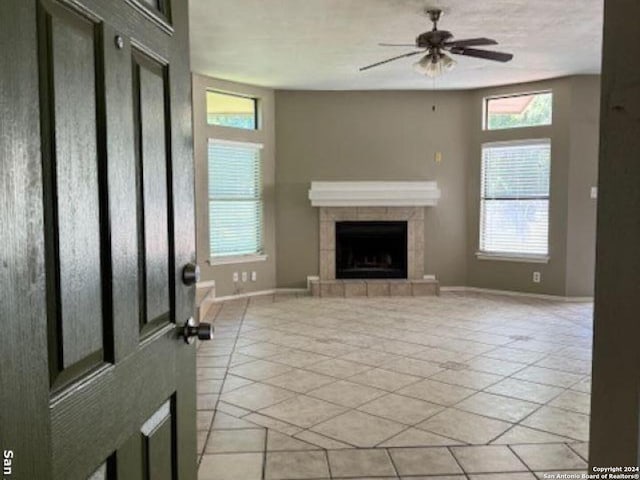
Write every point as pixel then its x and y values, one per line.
pixel 470 42
pixel 410 54
pixel 397 44
pixel 486 54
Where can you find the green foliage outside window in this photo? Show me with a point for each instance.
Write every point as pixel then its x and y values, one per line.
pixel 537 112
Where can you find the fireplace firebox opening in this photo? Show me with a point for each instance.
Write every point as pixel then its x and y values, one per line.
pixel 370 250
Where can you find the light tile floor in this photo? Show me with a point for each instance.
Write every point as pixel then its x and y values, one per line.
pixel 461 386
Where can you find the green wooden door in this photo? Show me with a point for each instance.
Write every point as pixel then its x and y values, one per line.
pixel 96 225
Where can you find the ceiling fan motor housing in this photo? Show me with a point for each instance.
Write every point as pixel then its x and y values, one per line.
pixel 433 38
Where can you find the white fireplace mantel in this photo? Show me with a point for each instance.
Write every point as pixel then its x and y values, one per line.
pixel 374 194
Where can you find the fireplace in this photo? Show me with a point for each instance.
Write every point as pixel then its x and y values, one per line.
pixel 371 249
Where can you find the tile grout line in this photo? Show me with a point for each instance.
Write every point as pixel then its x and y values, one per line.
pixel 326 456
pixel 453 455
pixel 571 447
pixel 521 460
pixel 215 409
pixel 393 463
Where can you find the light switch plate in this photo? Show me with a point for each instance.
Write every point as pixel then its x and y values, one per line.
pixel 594 192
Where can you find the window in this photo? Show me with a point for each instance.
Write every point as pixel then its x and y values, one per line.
pixel 235 199
pixel 229 110
pixel 514 207
pixel 526 110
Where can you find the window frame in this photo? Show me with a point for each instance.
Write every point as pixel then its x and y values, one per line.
pixel 513 256
pixel 256 110
pixel 485 110
pixel 247 257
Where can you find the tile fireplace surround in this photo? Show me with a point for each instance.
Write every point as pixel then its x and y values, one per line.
pixel 414 285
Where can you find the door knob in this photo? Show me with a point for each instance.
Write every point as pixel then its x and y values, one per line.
pixel 190 274
pixel 191 329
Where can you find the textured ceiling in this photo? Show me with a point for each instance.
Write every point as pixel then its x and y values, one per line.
pixel 319 44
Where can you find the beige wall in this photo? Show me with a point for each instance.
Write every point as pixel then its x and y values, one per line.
pixel 393 135
pixel 574 153
pixel 373 135
pixel 583 174
pixel 223 274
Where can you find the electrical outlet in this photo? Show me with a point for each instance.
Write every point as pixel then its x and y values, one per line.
pixel 254 276
pixel 235 276
pixel 537 277
pixel 438 157
pixel 244 276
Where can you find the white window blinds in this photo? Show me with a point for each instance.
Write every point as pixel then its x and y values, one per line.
pixel 514 208
pixel 235 198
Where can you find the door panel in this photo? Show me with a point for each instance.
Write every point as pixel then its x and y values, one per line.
pixel 153 167
pixel 69 97
pixel 159 443
pixel 73 65
pixel 96 222
pixel 150 454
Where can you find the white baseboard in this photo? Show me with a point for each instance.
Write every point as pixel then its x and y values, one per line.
pixel 258 293
pixel 206 284
pixel 291 290
pixel 489 291
pixel 312 278
pixel 509 293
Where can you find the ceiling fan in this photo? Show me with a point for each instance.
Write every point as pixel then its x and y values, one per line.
pixel 435 43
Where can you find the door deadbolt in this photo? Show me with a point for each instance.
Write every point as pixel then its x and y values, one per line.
pixel 190 274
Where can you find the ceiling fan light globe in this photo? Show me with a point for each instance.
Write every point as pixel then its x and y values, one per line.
pixel 421 65
pixel 434 70
pixel 447 62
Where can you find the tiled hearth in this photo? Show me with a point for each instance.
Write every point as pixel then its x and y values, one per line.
pixel 373 288
pixel 461 386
